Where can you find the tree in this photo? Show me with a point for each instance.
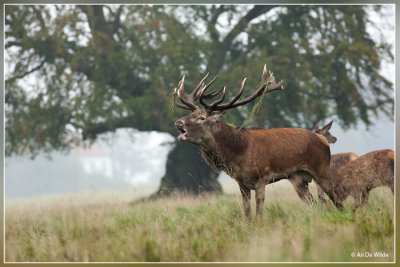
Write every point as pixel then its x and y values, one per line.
pixel 101 68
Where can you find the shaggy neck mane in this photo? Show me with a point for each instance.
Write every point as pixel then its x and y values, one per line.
pixel 227 142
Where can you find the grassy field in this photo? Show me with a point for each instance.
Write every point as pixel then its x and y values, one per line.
pixel 107 227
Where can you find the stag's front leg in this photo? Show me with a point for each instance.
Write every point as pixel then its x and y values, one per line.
pixel 246 195
pixel 260 196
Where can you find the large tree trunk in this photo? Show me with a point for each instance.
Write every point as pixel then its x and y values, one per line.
pixel 188 173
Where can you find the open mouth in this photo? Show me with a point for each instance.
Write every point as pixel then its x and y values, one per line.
pixel 183 134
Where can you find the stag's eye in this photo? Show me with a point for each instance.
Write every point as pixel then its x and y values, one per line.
pixel 201 118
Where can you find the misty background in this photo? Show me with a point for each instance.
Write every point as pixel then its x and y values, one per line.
pixel 133 159
pixel 130 158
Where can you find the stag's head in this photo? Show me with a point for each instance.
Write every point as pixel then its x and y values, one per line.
pixel 325 132
pixel 198 126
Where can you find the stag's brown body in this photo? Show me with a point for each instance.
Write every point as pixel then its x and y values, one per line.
pixel 253 157
pixel 256 157
pixel 359 176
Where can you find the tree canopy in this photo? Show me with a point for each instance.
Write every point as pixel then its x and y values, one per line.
pixel 79 71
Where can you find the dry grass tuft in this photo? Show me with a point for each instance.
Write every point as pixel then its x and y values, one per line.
pixel 107 228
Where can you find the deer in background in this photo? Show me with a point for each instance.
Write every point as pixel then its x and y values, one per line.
pixel 324 131
pixel 253 157
pixel 337 160
pixel 359 176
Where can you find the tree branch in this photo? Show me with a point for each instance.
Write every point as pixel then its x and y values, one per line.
pixel 244 22
pixel 97 20
pixel 211 25
pixel 218 56
pixel 117 20
pixel 26 72
pixel 12 43
pixel 116 24
pixel 39 16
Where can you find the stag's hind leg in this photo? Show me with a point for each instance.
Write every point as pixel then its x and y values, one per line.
pixel 300 184
pixel 321 194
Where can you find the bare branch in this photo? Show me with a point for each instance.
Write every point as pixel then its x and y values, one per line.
pixel 96 19
pixel 256 11
pixel 117 20
pixel 26 72
pixel 213 21
pixel 12 43
pixel 217 59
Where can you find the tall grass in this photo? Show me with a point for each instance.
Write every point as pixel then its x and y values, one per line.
pixel 202 229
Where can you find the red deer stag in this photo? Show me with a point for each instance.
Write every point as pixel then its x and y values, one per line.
pixel 358 177
pixel 253 157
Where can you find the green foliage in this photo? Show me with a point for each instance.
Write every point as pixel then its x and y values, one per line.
pixel 99 68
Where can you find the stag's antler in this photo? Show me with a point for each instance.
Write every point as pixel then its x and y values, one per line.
pixel 267 83
pixel 188 100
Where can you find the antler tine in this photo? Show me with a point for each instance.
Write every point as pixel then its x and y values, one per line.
pixel 238 95
pixel 221 99
pixel 179 105
pixel 212 94
pixel 195 93
pixel 207 106
pixel 186 99
pixel 264 74
pixel 207 86
pixel 189 99
pixel 180 87
pixel 269 86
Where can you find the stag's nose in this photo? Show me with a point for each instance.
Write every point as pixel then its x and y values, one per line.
pixel 179 123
